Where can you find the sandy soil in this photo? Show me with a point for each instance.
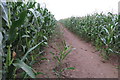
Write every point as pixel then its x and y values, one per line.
pixel 85 59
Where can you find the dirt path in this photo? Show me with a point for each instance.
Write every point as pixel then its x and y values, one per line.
pixel 85 59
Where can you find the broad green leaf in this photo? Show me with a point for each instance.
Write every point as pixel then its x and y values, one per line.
pixel 20 64
pixel 24 57
pixel 20 21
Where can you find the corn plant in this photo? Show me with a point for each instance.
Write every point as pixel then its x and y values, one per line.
pixel 102 30
pixel 26 28
pixel 60 57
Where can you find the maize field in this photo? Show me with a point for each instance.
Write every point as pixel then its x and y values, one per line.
pixel 101 29
pixel 26 28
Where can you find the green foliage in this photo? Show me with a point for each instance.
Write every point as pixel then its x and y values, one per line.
pixel 26 68
pixel 102 30
pixel 60 57
pixel 26 27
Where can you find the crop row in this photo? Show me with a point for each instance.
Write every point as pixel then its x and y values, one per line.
pixel 26 28
pixel 101 29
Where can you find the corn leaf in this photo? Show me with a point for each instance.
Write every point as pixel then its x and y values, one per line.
pixel 20 64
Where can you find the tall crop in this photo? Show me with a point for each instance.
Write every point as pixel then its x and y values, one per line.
pixel 100 29
pixel 26 27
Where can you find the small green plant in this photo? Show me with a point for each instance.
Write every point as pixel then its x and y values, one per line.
pixel 59 57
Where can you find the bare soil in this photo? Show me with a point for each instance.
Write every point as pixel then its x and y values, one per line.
pixel 87 61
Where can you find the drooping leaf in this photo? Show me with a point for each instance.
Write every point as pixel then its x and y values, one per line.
pixel 20 64
pixel 24 57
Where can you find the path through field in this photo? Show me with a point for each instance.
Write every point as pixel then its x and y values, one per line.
pixel 85 59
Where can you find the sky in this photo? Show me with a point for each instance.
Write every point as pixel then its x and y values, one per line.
pixel 67 8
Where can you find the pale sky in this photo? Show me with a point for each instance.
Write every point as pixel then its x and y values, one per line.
pixel 67 8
